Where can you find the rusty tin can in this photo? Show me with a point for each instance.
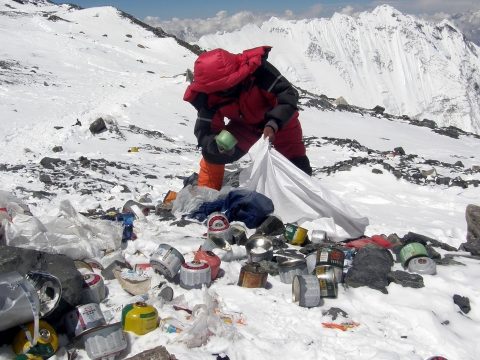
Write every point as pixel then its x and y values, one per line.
pixel 252 275
pixel 327 280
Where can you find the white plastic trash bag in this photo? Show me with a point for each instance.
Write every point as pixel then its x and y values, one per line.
pixel 296 196
pixel 191 197
pixel 68 233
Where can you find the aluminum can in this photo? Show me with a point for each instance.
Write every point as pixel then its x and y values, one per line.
pixel 291 267
pixel 306 291
pixel 195 274
pixel 422 265
pixel 84 318
pixel 295 235
pixel 239 234
pixel 411 251
pixel 327 281
pixel 327 256
pixel 139 318
pixel 318 236
pixel 252 275
pixel 167 260
pixel 105 342
pixel 219 231
pixel 93 289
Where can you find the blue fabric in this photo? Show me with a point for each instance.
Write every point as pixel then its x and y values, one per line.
pixel 249 207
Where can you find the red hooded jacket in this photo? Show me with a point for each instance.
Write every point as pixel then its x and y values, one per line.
pixel 249 91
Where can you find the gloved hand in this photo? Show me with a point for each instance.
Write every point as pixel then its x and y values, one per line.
pixel 269 133
pixel 210 146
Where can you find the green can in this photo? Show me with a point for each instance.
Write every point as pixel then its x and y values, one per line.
pixel 410 251
pixel 295 235
pixel 225 141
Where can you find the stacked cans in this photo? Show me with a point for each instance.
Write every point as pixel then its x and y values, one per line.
pixel 328 256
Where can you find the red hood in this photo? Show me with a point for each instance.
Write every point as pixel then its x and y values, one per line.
pixel 218 70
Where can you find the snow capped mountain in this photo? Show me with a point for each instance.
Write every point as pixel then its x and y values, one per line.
pixel 62 68
pixel 469 23
pixel 407 65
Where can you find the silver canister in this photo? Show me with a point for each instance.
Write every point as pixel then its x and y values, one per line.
pixel 195 274
pixel 105 342
pixel 167 260
pixel 259 248
pixel 306 291
pixel 93 289
pixel 219 233
pixel 422 265
pixel 291 267
pixel 326 277
pixel 83 319
pixel 318 236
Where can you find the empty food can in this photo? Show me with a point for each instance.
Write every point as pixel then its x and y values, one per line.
pixel 291 267
pixel 195 274
pixel 411 251
pixel 306 291
pixel 167 260
pixel 327 281
pixel 83 318
pixel 93 289
pixel 252 275
pixel 105 342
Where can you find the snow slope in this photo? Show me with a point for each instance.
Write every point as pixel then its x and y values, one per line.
pixel 55 72
pixel 408 65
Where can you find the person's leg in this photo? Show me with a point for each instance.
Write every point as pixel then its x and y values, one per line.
pixel 210 175
pixel 303 163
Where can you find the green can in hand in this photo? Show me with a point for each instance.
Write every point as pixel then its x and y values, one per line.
pixel 225 141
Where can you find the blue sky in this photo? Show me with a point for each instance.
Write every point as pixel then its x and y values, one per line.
pixel 167 9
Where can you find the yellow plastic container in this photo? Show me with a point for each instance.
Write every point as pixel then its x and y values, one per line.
pixel 46 346
pixel 139 318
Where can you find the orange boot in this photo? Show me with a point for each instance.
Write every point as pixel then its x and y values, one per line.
pixel 211 175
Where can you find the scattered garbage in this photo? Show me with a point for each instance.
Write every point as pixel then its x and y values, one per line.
pixel 195 274
pixel 411 251
pixel 82 319
pixel 327 280
pixel 167 260
pixel 211 259
pixel 94 290
pixel 329 256
pixel 252 275
pixel 44 347
pixel 139 318
pixel 306 291
pixel 295 235
pixel 259 248
pixel 422 265
pixel 291 267
pixel 344 326
pixel 105 342
pixel 133 282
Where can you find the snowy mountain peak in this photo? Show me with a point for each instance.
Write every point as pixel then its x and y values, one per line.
pixel 407 65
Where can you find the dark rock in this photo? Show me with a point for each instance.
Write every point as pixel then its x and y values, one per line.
pixel 377 171
pixel 459 164
pixel 271 226
pixel 428 123
pixel 57 149
pixel 45 83
pixel 141 46
pixel 158 353
pixel 472 215
pixel 125 189
pixel 61 266
pixel 44 178
pixel 128 36
pixel 279 242
pixel 399 151
pixel 78 123
pixel 51 163
pixel 370 268
pixel 335 312
pixel 149 176
pixel 150 72
pixel 406 279
pixel 425 240
pixel 443 180
pixel 165 213
pixel 189 75
pixel 450 131
pixel 378 109
pixel 458 181
pixel 432 253
pixel 270 267
pixel 463 303
pixel 98 126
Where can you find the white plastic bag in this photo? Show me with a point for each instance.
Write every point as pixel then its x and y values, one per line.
pixel 296 196
pixel 68 233
pixel 191 197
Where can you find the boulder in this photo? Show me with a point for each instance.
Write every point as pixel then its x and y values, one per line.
pixel 98 126
pixel 406 279
pixel 378 109
pixel 51 163
pixel 370 267
pixel 463 303
pixel 472 215
pixel 61 266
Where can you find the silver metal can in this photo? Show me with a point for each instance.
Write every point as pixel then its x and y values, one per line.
pixel 167 260
pixel 93 289
pixel 84 318
pixel 105 342
pixel 306 291
pixel 291 267
pixel 195 274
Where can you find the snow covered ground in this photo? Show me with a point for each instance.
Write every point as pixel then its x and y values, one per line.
pixel 55 72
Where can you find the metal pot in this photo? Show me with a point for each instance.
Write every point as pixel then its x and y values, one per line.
pixel 259 248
